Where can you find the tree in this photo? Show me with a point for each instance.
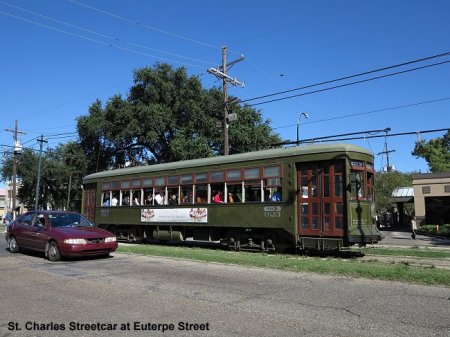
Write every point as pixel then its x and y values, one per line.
pixel 60 166
pixel 436 152
pixel 385 183
pixel 167 116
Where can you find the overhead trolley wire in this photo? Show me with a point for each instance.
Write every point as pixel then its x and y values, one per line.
pixel 353 76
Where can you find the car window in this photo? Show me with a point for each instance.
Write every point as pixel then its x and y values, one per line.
pixel 26 219
pixel 69 220
pixel 39 220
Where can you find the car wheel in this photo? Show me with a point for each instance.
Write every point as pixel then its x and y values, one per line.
pixel 53 252
pixel 13 245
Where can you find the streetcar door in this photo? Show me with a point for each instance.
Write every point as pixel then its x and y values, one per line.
pixel 89 192
pixel 321 198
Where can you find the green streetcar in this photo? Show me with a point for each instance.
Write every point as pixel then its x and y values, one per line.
pixel 316 196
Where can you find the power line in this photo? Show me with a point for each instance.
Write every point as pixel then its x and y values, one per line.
pixel 144 25
pixel 97 41
pixel 368 134
pixel 350 84
pixel 350 76
pixel 366 112
pixel 103 35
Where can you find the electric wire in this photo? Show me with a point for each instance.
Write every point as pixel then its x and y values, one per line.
pixel 350 76
pixel 106 36
pixel 99 42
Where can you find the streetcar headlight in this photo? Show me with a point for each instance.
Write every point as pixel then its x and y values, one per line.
pixel 75 241
pixel 110 239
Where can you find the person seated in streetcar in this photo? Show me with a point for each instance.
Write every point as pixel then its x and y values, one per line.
pixel 218 197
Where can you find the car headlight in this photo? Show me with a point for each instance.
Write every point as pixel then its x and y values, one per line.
pixel 75 241
pixel 110 239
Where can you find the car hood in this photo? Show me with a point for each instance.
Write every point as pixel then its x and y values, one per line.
pixel 81 232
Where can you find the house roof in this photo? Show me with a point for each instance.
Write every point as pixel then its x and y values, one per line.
pixel 403 194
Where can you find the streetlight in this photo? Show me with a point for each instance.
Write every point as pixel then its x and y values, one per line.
pixel 298 124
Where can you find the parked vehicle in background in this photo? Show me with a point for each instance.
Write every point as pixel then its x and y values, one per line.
pixel 59 234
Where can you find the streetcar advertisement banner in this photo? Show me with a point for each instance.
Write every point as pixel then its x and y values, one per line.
pixel 174 215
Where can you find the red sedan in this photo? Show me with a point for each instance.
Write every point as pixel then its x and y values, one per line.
pixel 59 234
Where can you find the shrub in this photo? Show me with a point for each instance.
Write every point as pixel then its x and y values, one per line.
pixel 441 230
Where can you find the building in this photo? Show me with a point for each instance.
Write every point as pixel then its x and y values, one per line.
pixel 432 198
pixel 3 202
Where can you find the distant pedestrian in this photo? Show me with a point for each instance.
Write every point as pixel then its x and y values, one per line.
pixel 413 225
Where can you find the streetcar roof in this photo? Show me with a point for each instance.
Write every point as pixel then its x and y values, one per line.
pixel 308 149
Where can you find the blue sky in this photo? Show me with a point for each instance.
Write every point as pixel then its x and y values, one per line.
pixel 57 57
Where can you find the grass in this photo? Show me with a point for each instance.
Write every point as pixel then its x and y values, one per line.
pixel 354 267
pixel 410 252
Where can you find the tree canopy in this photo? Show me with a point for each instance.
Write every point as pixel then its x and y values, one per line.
pixel 436 152
pixel 167 116
pixel 385 183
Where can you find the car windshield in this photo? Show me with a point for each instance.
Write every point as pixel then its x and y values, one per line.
pixel 69 220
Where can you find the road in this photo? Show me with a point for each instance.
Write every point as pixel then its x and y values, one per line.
pixel 129 293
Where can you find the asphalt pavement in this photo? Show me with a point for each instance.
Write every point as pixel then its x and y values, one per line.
pixel 404 239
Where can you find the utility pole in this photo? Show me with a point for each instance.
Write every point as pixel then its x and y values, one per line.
pixel 221 73
pixel 386 152
pixel 38 182
pixel 17 149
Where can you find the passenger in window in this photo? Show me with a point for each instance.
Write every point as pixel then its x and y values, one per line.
pixel 126 199
pixel 106 202
pixel 114 200
pixel 149 199
pixel 267 195
pixel 230 197
pixel 173 200
pixel 186 199
pixel 276 196
pixel 159 198
pixel 218 197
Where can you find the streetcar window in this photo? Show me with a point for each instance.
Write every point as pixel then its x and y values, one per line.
pixel 357 184
pixel 125 198
pixel 338 186
pixel 115 184
pixel 148 196
pixel 234 192
pixel 201 177
pixel 172 180
pixel 252 173
pixel 201 193
pixel 106 185
pixel 186 195
pixel 370 187
pixel 272 171
pixel 217 176
pixel 160 181
pixel 234 175
pixel 252 189
pixel 148 182
pixel 126 184
pixel 186 179
pixel 270 187
pixel 137 183
pixel 173 196
pixel 136 197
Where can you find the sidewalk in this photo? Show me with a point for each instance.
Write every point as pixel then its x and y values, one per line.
pixel 403 239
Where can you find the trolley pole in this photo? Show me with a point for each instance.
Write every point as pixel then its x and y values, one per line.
pixel 17 149
pixel 38 180
pixel 221 73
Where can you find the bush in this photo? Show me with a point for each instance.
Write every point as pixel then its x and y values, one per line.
pixel 441 230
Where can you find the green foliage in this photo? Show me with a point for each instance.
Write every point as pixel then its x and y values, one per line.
pixel 440 230
pixel 166 117
pixel 385 183
pixel 65 164
pixel 436 152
